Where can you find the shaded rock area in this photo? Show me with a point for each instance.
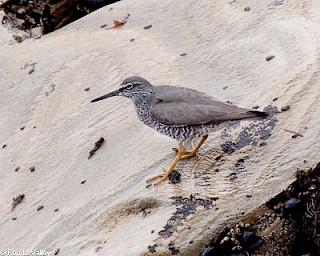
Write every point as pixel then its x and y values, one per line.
pixel 288 224
pixel 48 15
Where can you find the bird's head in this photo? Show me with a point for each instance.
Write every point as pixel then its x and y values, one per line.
pixel 134 88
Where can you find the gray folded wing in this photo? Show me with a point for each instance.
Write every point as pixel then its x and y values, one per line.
pixel 183 106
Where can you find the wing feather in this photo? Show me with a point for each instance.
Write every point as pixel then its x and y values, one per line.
pixel 183 106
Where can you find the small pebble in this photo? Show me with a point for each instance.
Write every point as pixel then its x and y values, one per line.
pixel 83 181
pixel 291 203
pixel 275 99
pixel 285 108
pixel 4 146
pixel 255 107
pixel 263 143
pixel 18 38
pixel 152 231
pixel 14 218
pixel 22 11
pixel 248 195
pixel 22 128
pixel 56 210
pixel 147 26
pixel 132 40
pixel 40 208
pixel 149 185
pixel 225 87
pixel 294 136
pixel 246 9
pixel 183 54
pixel 87 89
pixel 268 58
pixel 34 127
pixel 233 177
pixel 218 157
pixel 98 249
pixel 56 251
pixel 32 169
pixel 175 177
pixel 103 26
pixel 17 200
pixel 17 169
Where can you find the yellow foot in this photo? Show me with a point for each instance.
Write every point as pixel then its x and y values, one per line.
pixel 195 149
pixel 189 154
pixel 163 176
pixel 182 154
pixel 160 177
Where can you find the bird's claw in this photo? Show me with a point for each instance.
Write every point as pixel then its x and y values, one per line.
pixel 186 154
pixel 190 155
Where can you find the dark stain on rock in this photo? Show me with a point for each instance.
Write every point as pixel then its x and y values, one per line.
pixel 40 208
pixel 147 26
pixel 97 145
pixel 174 250
pixel 185 207
pixel 52 89
pixel 250 135
pixel 270 57
pixel 152 248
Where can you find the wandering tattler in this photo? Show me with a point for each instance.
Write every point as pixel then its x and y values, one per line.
pixel 180 113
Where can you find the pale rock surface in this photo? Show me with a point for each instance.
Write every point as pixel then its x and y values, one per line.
pixel 225 46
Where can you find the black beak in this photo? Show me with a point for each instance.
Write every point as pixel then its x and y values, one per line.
pixel 110 94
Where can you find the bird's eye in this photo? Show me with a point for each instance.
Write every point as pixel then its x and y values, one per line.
pixel 129 86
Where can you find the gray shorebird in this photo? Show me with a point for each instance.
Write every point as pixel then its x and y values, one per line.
pixel 180 113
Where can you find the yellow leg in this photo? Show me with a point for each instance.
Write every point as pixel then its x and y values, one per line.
pixel 163 176
pixel 187 155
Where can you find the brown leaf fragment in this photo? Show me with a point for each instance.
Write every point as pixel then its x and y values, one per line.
pixel 117 24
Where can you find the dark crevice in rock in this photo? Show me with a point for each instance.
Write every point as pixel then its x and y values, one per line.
pixel 288 224
pixel 48 15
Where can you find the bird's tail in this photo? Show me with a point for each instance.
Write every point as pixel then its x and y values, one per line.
pixel 259 114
